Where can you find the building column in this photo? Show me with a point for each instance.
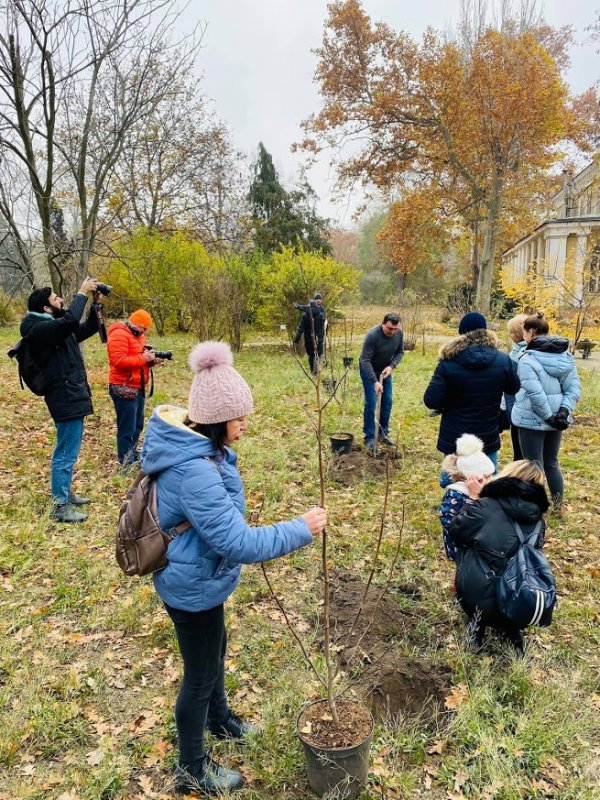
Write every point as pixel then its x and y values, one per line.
pixel 556 256
pixel 581 256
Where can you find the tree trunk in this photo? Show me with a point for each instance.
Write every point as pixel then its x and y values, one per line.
pixel 486 270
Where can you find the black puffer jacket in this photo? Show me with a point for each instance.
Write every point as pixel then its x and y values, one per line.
pixel 467 388
pixel 484 528
pixel 56 344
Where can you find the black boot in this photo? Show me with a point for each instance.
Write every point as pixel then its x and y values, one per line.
pixel 63 512
pixel 233 728
pixel 214 779
pixel 77 500
pixel 517 642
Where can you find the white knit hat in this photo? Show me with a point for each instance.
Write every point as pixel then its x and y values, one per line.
pixel 471 460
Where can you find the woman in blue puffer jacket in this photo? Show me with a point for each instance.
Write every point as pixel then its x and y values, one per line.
pixel 198 480
pixel 549 392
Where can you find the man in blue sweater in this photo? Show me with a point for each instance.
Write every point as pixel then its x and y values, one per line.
pixel 382 351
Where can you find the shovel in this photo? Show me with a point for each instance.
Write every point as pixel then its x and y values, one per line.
pixel 377 418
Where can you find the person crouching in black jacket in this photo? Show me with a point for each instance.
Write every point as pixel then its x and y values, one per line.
pixel 484 531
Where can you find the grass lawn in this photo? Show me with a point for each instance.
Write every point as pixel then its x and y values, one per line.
pixel 88 662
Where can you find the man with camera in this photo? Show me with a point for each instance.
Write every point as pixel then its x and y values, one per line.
pixel 53 333
pixel 131 361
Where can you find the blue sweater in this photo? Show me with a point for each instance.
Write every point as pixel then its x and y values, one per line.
pixel 198 484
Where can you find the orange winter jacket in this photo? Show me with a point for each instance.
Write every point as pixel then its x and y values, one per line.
pixel 126 357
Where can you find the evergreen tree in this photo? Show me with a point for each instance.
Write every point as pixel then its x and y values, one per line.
pixel 281 217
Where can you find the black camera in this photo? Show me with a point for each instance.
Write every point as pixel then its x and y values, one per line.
pixel 104 289
pixel 164 354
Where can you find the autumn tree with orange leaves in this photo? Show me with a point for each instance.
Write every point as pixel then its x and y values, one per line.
pixel 456 130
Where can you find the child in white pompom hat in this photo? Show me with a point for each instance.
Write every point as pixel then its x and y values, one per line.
pixel 469 468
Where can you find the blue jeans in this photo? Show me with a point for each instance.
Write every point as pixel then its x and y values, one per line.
pixel 130 421
pixel 370 405
pixel 69 434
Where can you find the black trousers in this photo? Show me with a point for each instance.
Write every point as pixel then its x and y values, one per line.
pixel 202 641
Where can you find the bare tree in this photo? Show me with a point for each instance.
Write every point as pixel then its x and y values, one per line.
pixel 75 77
pixel 179 169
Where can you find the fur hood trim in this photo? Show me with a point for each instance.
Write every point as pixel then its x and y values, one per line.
pixel 515 488
pixel 478 338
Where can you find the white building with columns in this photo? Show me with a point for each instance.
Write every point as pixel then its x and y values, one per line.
pixel 564 249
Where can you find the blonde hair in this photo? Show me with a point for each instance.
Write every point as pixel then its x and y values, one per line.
pixel 450 466
pixel 515 325
pixel 525 470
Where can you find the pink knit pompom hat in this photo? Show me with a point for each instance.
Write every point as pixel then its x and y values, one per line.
pixel 218 392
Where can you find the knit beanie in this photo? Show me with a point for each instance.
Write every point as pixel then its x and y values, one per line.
pixel 472 321
pixel 218 392
pixel 471 460
pixel 141 319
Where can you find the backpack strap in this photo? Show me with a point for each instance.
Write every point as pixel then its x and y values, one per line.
pixel 532 537
pixel 184 526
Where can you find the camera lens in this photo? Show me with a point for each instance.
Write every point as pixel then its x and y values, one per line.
pixel 104 289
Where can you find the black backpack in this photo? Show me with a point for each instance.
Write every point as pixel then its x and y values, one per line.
pixel 526 589
pixel 31 371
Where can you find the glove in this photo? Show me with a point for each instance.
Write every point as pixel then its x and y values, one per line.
pixel 563 415
pixel 558 422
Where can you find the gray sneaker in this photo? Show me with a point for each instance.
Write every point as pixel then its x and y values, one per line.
pixel 213 780
pixel 77 500
pixel 63 512
pixel 370 448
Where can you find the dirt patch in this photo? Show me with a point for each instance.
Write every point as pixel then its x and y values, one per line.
pixel 391 683
pixel 317 727
pixel 356 466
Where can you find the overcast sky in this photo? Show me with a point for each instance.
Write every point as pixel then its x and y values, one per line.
pixel 258 68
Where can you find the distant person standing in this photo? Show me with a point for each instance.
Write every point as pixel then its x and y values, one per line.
pixel 382 351
pixel 312 328
pixel 130 363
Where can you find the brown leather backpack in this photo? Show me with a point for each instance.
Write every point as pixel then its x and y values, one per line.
pixel 141 544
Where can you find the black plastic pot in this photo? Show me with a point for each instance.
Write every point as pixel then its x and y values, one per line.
pixel 342 771
pixel 348 361
pixel 341 443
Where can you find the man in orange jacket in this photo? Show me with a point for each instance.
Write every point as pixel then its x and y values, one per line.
pixel 130 363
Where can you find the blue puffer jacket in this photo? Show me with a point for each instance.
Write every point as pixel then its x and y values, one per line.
pixel 549 380
pixel 198 484
pixel 517 351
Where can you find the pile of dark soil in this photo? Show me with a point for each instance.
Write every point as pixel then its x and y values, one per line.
pixel 351 468
pixel 391 683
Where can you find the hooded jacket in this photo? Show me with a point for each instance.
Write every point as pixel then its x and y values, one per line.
pixel 197 483
pixel 55 342
pixel 549 380
pixel 128 367
pixel 484 528
pixel 314 315
pixel 467 388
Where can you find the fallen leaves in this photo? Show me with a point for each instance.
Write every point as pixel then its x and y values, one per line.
pixel 457 697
